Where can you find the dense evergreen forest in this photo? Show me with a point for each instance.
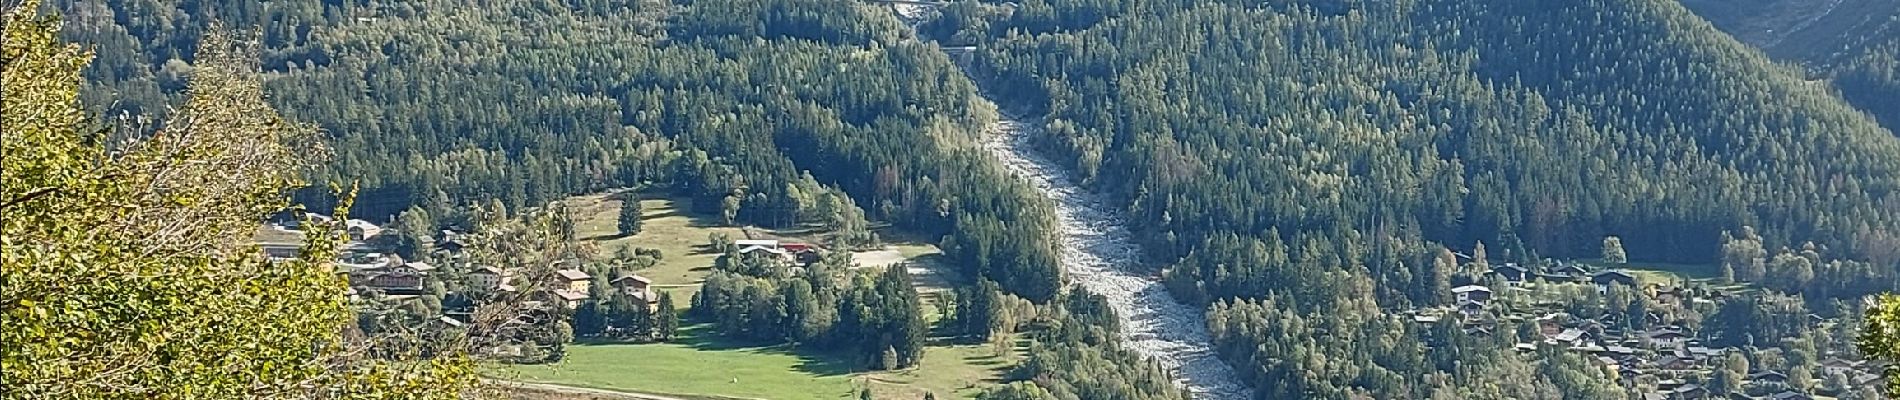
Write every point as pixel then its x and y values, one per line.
pixel 1805 32
pixel 1871 79
pixel 758 109
pixel 122 276
pixel 1851 43
pixel 438 104
pixel 1305 168
pixel 1309 157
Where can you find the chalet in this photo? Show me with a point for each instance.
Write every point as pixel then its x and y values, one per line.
pixel 1790 395
pixel 1704 352
pixel 295 222
pixel 451 241
pixel 392 277
pixel 1471 309
pixel 489 278
pixel 1555 278
pixel 765 243
pixel 805 254
pixel 632 284
pixel 1472 293
pixel 1573 271
pixel 569 298
pixel 1668 339
pixel 1572 337
pixel 1619 351
pixel 1836 365
pixel 1609 363
pixel 1669 384
pixel 773 252
pixel 1689 392
pixel 574 280
pixel 1511 273
pixel 1605 279
pixel 281 251
pixel 638 287
pixel 1866 379
pixel 1670 295
pixel 1673 363
pixel 1768 378
pixel 1551 324
pixel 360 230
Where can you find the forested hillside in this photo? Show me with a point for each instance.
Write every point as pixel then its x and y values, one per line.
pixel 755 109
pixel 437 104
pixel 1314 172
pixel 1308 158
pixel 1871 79
pixel 1807 32
pixel 1851 43
pixel 122 278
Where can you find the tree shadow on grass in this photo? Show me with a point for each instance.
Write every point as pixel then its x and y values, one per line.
pixel 985 360
pixel 705 221
pixel 702 336
pixel 607 236
pixel 663 214
pixel 825 363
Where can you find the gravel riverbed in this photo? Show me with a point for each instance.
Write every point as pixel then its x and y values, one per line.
pixel 1099 254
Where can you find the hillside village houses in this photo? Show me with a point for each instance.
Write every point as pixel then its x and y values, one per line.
pixel 454 288
pixel 1604 280
pixel 572 286
pixel 793 253
pixel 1511 273
pixel 639 287
pixel 1664 361
pixel 490 279
pixel 387 273
pixel 1471 293
pixel 371 268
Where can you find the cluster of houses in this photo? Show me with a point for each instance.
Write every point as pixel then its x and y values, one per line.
pixel 1668 356
pixel 792 253
pixel 1516 276
pixel 368 267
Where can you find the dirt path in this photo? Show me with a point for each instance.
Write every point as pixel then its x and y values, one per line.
pixel 590 393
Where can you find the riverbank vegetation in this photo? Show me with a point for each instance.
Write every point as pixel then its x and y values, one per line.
pixel 1313 160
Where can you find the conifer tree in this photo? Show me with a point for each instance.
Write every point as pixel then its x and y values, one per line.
pixel 630 215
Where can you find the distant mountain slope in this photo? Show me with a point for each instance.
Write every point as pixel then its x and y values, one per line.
pixel 1807 31
pixel 1871 81
pixel 1853 43
pixel 1306 157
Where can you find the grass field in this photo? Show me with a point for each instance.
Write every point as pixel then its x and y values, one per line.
pixel 701 364
pixel 667 226
pixel 696 364
pixel 1661 273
